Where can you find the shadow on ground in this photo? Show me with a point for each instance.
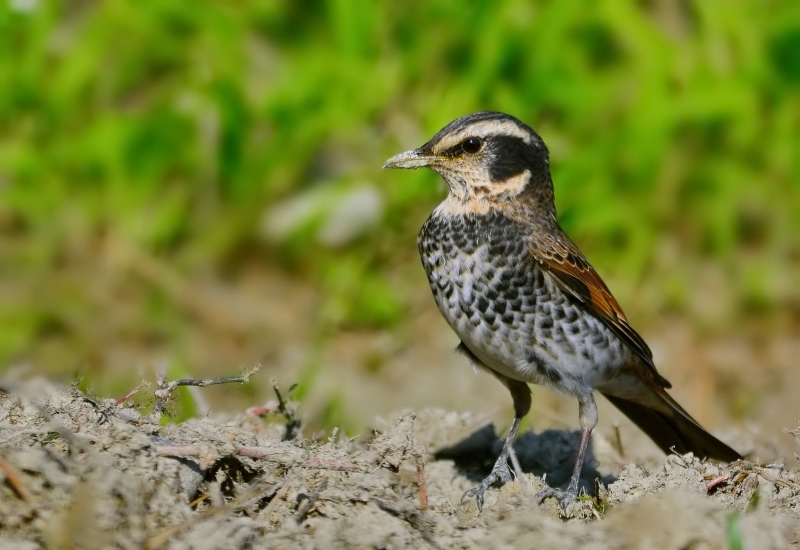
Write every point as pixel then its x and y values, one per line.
pixel 550 453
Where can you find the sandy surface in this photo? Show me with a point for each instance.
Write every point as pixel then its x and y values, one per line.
pixel 80 472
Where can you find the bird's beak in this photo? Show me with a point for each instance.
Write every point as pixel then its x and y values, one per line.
pixel 410 159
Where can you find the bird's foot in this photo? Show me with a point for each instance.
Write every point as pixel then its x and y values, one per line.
pixel 564 498
pixel 500 472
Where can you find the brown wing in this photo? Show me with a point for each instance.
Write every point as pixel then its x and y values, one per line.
pixel 560 258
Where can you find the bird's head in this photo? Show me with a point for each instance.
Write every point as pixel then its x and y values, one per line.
pixel 486 157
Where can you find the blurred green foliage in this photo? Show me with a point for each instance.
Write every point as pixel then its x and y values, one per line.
pixel 170 125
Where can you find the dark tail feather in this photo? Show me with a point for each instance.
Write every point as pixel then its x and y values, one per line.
pixel 678 431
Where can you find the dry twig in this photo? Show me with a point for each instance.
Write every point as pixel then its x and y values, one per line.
pixel 716 481
pixel 312 499
pixel 421 483
pixel 14 480
pixel 131 393
pixel 165 388
pixel 617 441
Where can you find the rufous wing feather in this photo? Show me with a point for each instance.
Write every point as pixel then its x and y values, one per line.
pixel 562 261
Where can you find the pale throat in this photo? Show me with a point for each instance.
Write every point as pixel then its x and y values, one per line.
pixel 479 195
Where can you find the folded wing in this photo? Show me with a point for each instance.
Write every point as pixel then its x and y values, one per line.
pixel 566 266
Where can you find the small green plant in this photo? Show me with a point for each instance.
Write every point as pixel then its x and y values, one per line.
pixel 734 531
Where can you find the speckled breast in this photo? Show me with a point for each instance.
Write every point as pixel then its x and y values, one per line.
pixel 505 309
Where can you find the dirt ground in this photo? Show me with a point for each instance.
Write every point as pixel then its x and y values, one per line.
pixel 81 472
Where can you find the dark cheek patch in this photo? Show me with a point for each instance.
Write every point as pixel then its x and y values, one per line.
pixel 510 156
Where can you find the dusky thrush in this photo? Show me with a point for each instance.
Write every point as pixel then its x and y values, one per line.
pixel 524 301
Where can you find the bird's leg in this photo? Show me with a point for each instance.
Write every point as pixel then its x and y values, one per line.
pixel 588 420
pixel 500 470
pixel 521 395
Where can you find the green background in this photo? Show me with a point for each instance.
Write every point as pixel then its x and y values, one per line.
pixel 145 146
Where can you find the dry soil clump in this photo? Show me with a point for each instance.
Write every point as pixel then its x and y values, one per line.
pixel 78 472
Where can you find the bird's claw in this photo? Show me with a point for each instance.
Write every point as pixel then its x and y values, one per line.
pixel 500 472
pixel 564 498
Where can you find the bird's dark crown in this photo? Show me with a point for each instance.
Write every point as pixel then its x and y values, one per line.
pixel 486 158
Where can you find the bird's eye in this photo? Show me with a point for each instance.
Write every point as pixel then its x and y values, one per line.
pixel 471 145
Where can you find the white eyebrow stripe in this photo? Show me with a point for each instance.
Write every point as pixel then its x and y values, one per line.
pixel 482 129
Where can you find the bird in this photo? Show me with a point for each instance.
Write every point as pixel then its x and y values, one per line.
pixel 524 301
